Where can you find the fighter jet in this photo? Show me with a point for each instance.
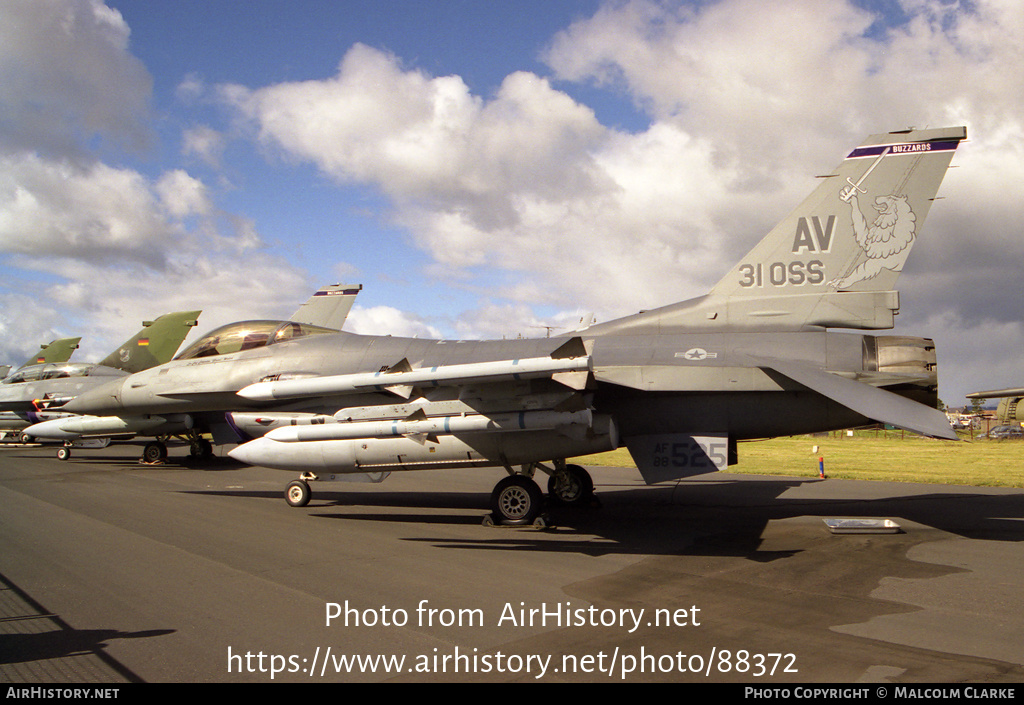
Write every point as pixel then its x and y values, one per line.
pixel 35 393
pixel 677 385
pixel 55 351
pixel 326 309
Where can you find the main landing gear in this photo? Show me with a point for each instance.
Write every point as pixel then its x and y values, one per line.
pixel 516 500
pixel 154 452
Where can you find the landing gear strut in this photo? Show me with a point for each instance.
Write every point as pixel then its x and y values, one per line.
pixel 570 485
pixel 200 448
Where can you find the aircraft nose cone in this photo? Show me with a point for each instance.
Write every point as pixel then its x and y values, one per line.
pixel 100 401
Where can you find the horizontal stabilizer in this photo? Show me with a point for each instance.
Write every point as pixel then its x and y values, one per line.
pixel 870 402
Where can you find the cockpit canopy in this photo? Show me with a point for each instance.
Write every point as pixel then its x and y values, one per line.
pixel 34 373
pixel 248 335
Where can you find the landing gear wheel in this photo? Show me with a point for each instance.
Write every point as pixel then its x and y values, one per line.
pixel 63 453
pixel 201 449
pixel 516 500
pixel 154 452
pixel 572 486
pixel 297 494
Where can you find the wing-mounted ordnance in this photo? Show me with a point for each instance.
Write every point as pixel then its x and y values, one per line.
pixel 569 365
pixel 71 428
pixel 413 444
pixel 461 415
pixel 422 428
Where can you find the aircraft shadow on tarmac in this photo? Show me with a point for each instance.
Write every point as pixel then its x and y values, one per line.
pixel 122 461
pixel 724 517
pixel 62 641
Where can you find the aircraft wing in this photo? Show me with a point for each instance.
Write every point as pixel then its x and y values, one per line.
pixel 329 306
pixel 998 393
pixel 868 401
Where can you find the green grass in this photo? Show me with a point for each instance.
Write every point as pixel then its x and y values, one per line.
pixel 868 455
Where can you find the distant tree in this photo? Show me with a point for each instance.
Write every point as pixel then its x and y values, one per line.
pixel 941 406
pixel 977 405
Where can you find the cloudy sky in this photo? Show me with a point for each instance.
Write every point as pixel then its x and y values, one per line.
pixel 483 168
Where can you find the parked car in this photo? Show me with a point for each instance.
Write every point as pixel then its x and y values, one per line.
pixel 1003 432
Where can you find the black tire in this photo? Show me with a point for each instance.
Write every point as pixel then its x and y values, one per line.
pixel 201 449
pixel 297 494
pixel 517 500
pixel 572 487
pixel 154 452
pixel 63 453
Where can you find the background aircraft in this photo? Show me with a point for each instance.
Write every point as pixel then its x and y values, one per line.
pixel 54 351
pixel 35 393
pixel 1009 410
pixel 677 385
pixel 327 309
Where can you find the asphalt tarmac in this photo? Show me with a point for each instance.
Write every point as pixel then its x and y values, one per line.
pixel 115 572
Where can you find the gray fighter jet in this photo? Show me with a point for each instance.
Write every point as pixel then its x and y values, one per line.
pixel 678 385
pixel 326 309
pixel 35 393
pixel 55 351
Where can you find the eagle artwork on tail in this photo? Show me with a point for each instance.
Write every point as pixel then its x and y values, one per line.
pixel 886 242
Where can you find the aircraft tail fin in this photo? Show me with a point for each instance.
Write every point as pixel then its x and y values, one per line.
pixel 55 351
pixel 155 344
pixel 834 260
pixel 329 306
pixel 854 232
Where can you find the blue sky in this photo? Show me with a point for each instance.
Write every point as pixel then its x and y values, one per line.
pixel 484 169
pixel 297 210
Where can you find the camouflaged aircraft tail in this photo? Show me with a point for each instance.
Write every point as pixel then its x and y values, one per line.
pixel 56 351
pixel 155 344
